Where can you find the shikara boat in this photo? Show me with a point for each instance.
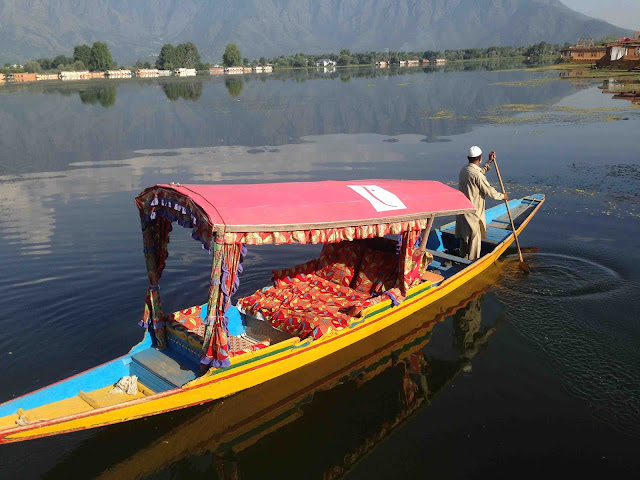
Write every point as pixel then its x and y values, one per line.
pixel 391 364
pixel 381 261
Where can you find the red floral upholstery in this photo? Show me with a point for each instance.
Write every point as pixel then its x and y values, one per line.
pixel 305 305
pixel 415 265
pixel 307 268
pixel 377 273
pixel 187 320
pixel 338 262
pixel 308 323
pixel 394 294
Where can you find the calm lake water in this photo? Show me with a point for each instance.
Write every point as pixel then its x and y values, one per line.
pixel 516 375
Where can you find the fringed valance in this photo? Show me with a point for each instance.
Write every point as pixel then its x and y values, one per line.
pixel 327 235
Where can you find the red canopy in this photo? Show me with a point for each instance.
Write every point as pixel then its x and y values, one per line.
pixel 309 206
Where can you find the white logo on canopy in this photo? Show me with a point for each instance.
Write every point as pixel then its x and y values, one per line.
pixel 382 200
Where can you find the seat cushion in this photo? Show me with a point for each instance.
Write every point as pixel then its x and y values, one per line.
pixel 378 272
pixel 305 305
pixel 306 268
pixel 338 262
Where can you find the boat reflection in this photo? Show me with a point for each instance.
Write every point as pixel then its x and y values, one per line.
pixel 622 90
pixel 322 418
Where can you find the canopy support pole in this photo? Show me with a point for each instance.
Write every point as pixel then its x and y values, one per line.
pixel 214 292
pixel 425 234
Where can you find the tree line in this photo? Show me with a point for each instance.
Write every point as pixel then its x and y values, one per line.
pixel 94 58
pixel 186 55
pixel 346 57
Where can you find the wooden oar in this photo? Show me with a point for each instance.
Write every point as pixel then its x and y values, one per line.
pixel 523 266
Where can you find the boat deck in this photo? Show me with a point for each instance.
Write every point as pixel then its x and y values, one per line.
pixel 83 402
pixel 163 370
pixel 498 224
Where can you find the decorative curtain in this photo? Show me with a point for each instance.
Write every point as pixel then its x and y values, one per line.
pixel 413 261
pixel 327 235
pixel 225 280
pixel 155 236
pixel 158 209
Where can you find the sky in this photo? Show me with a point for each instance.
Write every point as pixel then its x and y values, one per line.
pixel 622 13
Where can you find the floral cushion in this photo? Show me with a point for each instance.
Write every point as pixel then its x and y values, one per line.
pixel 305 305
pixel 338 262
pixel 189 319
pixel 305 268
pixel 414 266
pixel 266 301
pixel 393 294
pixel 378 272
pixel 312 324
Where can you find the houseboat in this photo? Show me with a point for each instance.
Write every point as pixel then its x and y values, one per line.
pixel 119 74
pixel 147 72
pixel 584 51
pixel 234 70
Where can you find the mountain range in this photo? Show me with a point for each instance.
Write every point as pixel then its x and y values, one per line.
pixel 137 29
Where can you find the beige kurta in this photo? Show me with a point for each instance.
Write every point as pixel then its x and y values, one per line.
pixel 476 187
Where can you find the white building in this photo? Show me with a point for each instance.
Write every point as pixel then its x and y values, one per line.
pixel 118 73
pixel 185 72
pixel 147 72
pixel 325 62
pixel 234 70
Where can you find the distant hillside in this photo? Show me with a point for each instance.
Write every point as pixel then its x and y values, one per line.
pixel 138 28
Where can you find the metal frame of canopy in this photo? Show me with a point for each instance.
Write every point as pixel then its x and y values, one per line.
pixel 224 218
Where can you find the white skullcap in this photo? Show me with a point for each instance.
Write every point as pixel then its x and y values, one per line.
pixel 474 152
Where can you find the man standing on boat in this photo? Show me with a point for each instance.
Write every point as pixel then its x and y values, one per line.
pixel 471 228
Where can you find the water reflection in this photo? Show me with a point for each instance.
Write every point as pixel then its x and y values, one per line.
pixel 623 90
pixel 185 90
pixel 276 110
pixel 343 406
pixel 31 201
pixel 234 86
pixel 104 95
pixel 466 326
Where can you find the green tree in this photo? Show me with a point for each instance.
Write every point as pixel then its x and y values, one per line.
pixel 32 67
pixel 187 55
pixel 167 59
pixel 62 60
pixel 100 57
pixel 344 60
pixel 232 56
pixel 78 65
pixel 82 53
